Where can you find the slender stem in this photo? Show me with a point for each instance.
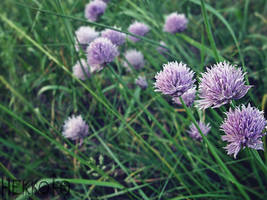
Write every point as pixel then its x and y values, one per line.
pixel 232 103
pixel 214 153
pixel 259 160
pixel 208 29
pixel 74 158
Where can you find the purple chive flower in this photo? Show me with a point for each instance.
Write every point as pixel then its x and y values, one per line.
pixel 115 37
pixel 135 59
pixel 243 127
pixel 160 49
pixel 175 79
pixel 139 29
pixel 84 35
pixel 81 70
pixel 75 128
pixel 175 23
pixel 221 84
pixel 188 97
pixel 101 51
pixel 194 133
pixel 95 9
pixel 141 82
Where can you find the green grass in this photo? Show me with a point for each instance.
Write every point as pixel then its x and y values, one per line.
pixel 138 147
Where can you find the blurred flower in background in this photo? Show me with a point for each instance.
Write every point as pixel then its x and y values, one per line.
pixel 95 9
pixel 135 59
pixel 194 133
pixel 81 70
pixel 162 50
pixel 75 128
pixel 188 97
pixel 84 35
pixel 137 28
pixel 115 37
pixel 175 23
pixel 141 82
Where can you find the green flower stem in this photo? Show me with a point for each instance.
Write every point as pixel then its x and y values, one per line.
pixel 257 157
pixel 214 153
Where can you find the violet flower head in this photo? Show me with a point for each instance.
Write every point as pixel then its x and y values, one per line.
pixel 95 9
pixel 84 35
pixel 175 79
pixel 115 37
pixel 75 128
pixel 194 133
pixel 220 84
pixel 81 70
pixel 243 127
pixel 135 59
pixel 139 29
pixel 162 50
pixel 175 23
pixel 141 82
pixel 188 97
pixel 101 51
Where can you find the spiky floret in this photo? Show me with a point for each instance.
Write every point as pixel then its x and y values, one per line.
pixel 243 127
pixel 175 79
pixel 220 84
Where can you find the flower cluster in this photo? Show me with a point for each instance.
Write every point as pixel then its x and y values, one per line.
pixel 102 50
pixel 218 86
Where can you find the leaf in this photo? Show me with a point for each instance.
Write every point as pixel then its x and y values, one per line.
pixel 53 87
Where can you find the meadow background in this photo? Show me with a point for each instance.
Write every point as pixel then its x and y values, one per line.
pixel 138 147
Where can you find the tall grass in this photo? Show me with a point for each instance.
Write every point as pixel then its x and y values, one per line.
pixel 138 147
